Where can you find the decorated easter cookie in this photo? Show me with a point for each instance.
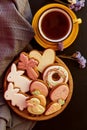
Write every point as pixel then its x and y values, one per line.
pixel 34 106
pixel 55 75
pixel 19 80
pixel 45 59
pixel 42 99
pixel 59 92
pixel 29 65
pixel 52 108
pixel 39 85
pixel 16 98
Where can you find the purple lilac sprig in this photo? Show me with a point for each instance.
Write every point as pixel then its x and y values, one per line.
pixel 60 46
pixel 78 5
pixel 81 60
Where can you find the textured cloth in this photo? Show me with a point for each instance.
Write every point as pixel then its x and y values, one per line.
pixel 24 8
pixel 12 27
pixel 15 34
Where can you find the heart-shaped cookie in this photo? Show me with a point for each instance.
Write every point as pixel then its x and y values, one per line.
pixel 45 59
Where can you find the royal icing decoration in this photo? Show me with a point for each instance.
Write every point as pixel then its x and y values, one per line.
pixel 29 65
pixel 53 107
pixel 20 81
pixel 17 99
pixel 37 84
pixel 34 106
pixel 54 75
pixel 59 92
pixel 46 59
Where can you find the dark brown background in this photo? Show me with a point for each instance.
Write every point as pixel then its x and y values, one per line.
pixel 74 117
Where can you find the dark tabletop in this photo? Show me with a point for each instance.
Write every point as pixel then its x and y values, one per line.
pixel 74 117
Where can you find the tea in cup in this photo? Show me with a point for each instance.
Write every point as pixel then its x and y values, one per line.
pixel 55 25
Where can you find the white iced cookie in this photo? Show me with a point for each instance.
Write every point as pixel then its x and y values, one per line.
pixel 16 98
pixel 20 81
pixel 55 75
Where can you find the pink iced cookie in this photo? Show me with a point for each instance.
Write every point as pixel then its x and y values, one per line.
pixel 59 92
pixel 29 65
pixel 38 85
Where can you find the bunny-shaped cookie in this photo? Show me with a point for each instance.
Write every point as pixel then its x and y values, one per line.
pixel 20 81
pixel 17 99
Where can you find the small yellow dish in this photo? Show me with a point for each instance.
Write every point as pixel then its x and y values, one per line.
pixel 43 42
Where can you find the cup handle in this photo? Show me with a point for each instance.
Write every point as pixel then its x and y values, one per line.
pixel 79 21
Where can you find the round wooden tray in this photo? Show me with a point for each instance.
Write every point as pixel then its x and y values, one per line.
pixel 25 113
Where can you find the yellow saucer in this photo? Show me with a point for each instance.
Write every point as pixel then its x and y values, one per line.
pixel 43 42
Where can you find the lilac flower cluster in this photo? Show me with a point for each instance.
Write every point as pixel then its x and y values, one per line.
pixel 80 59
pixel 76 57
pixel 78 5
pixel 60 46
